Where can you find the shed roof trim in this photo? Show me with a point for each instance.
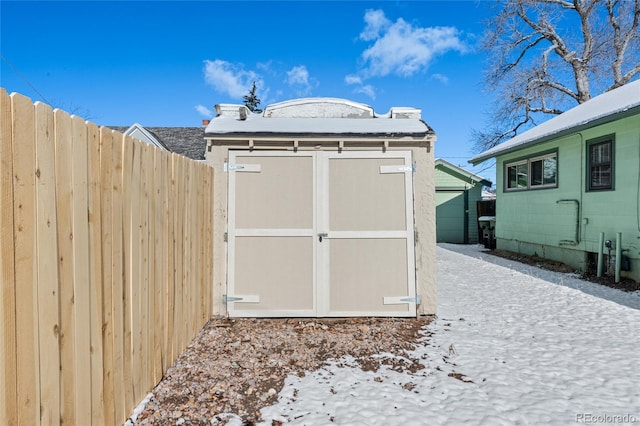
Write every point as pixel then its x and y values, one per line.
pixel 318 116
pixel 599 110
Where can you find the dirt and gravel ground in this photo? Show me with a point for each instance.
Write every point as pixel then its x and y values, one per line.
pixel 239 365
pixel 608 280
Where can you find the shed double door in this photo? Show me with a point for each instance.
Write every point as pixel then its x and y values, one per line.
pixel 320 234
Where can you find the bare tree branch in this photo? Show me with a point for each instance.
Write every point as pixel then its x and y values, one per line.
pixel 522 54
pixel 548 55
pixel 621 41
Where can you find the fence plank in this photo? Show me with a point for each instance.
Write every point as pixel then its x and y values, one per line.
pixel 24 212
pixel 170 283
pixel 47 253
pixel 106 167
pixel 195 255
pixel 151 271
pixel 186 256
pixel 178 207
pixel 157 283
pixel 118 271
pixel 8 361
pixel 81 275
pixel 127 285
pixel 154 285
pixel 174 254
pixel 64 212
pixel 167 266
pixel 135 267
pixel 188 331
pixel 143 344
pixel 196 258
pixel 181 282
pixel 95 275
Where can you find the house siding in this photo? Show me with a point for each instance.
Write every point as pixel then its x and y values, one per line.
pixel 450 187
pixel 537 222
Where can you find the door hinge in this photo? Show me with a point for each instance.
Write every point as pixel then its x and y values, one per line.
pixel 244 167
pixel 226 237
pixel 398 169
pixel 412 168
pixel 243 299
pixel 400 300
pixel 228 167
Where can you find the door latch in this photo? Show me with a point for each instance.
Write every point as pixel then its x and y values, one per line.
pixel 322 235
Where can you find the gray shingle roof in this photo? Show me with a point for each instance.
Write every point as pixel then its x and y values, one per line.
pixel 187 141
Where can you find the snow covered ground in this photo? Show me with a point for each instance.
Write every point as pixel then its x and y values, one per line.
pixel 512 344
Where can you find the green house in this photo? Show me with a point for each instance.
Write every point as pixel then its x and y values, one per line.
pixel 457 192
pixel 569 189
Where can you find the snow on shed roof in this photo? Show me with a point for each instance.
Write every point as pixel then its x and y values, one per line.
pixel 602 109
pixel 317 117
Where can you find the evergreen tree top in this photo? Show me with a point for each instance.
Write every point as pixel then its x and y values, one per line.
pixel 252 101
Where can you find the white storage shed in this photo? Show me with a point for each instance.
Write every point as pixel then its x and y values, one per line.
pixel 323 209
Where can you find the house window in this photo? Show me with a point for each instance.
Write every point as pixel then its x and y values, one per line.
pixel 533 173
pixel 517 175
pixel 600 163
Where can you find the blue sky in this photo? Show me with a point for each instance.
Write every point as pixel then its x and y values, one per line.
pixel 168 63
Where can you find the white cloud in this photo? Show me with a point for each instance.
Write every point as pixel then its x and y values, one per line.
pixel 264 66
pixel 365 89
pixel 204 111
pixel 298 78
pixel 298 75
pixel 402 49
pixel 352 79
pixel 376 22
pixel 441 78
pixel 231 79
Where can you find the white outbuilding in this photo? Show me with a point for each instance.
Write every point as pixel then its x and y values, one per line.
pixel 323 209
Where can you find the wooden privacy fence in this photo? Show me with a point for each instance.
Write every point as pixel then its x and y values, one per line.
pixel 106 266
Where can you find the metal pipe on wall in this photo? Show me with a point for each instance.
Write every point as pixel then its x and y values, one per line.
pixel 618 255
pixel 576 234
pixel 600 254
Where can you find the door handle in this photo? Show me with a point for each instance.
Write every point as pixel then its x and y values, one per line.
pixel 322 235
